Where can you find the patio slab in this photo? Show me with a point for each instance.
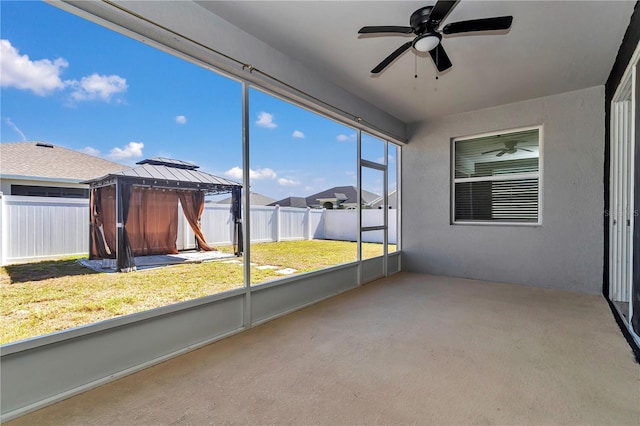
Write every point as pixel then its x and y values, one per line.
pixel 155 261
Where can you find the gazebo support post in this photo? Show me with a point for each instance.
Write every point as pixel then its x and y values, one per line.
pixel 118 223
pixel 91 231
pixel 124 255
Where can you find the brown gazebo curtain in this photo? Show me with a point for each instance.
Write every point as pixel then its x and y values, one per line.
pixel 102 235
pixel 150 217
pixel 152 224
pixel 193 206
pixel 161 226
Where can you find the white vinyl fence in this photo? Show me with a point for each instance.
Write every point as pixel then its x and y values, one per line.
pixel 40 227
pixel 43 227
pixel 343 225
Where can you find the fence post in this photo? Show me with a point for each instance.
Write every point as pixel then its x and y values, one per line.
pixel 277 222
pixel 308 224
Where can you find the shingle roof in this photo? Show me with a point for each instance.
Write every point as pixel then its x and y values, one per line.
pixel 299 202
pixel 38 159
pixel 255 200
pixel 346 194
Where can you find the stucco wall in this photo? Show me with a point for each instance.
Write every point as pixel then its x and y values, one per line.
pixel 566 251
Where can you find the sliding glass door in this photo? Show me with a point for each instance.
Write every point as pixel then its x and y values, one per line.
pixel 623 211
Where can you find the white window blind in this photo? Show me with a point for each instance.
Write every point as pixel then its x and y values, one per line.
pixel 497 178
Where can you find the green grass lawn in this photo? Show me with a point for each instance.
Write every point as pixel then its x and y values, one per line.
pixel 44 297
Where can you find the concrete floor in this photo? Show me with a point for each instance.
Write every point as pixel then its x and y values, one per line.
pixel 409 349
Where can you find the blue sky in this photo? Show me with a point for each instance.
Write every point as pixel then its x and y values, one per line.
pixel 73 83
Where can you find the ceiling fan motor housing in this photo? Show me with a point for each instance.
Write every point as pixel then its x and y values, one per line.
pixel 420 22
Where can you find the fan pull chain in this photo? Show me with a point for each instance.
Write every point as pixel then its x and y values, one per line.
pixel 415 66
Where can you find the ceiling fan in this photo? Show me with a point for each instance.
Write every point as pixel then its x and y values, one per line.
pixel 510 147
pixel 424 23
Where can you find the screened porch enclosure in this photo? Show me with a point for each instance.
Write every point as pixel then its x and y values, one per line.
pixel 135 212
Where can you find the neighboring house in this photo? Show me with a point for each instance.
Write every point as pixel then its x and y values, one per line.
pixel 299 202
pixel 338 197
pixel 45 170
pixel 378 203
pixel 255 199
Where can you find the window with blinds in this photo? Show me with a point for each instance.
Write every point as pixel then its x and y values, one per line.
pixel 496 178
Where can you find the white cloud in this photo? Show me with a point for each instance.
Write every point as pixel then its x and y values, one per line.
pixel 266 173
pixel 96 86
pixel 181 119
pixel 42 77
pixel 298 134
pixel 266 120
pixel 308 188
pixel 235 173
pixel 131 150
pixel 343 138
pixel 91 151
pixel 15 128
pixel 288 182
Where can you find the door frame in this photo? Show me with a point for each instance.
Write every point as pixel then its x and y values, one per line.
pixel 624 129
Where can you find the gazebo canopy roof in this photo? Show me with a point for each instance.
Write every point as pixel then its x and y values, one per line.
pixel 170 162
pixel 162 172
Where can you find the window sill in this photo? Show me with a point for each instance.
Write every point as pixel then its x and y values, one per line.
pixel 517 224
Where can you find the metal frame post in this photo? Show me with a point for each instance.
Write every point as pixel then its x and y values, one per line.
pixel 246 201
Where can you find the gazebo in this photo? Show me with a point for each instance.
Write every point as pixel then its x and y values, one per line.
pixel 135 212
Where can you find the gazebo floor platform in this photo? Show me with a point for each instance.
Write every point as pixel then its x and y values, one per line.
pixel 158 260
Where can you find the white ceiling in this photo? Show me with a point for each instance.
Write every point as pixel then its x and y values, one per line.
pixel 552 47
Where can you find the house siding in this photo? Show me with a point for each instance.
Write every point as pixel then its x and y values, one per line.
pixel 566 251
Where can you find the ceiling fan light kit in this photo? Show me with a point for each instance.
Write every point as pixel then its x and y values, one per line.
pixel 427 42
pixel 424 23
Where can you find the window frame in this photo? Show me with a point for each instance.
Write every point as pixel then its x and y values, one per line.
pixel 539 175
